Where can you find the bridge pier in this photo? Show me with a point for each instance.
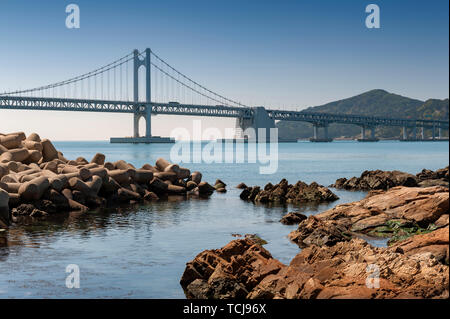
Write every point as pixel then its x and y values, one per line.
pixel 136 118
pixel 148 121
pixel 404 134
pixel 372 137
pixel 147 114
pixel 435 136
pixel 441 135
pixel 405 137
pixel 316 137
pixel 258 128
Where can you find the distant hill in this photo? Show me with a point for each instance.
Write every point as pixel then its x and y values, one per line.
pixel 435 109
pixel 371 103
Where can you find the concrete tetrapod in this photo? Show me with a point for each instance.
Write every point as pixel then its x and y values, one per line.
pixel 36 180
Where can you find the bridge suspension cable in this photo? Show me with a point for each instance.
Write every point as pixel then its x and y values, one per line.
pixel 113 81
pixel 192 85
pixel 187 86
pixel 72 83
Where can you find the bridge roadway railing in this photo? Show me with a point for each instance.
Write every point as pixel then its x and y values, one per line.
pixel 201 110
pixel 326 118
pixel 63 104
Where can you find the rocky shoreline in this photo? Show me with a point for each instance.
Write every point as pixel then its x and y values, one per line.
pixel 349 270
pixel 335 260
pixel 37 181
pixel 397 213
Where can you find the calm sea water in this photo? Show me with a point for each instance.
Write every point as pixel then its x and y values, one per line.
pixel 140 252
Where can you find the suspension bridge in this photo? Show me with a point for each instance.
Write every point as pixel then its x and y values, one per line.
pixel 118 87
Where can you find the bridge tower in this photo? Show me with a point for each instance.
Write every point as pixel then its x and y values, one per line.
pixel 142 108
pixel 146 109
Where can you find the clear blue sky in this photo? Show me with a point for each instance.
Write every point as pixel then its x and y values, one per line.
pixel 273 53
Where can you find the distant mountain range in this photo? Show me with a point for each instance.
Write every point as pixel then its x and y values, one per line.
pixel 371 103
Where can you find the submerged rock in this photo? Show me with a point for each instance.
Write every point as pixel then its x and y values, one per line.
pixel 292 218
pixel 205 189
pixel 220 186
pixel 24 211
pixel 378 179
pixel 283 192
pixel 302 192
pixel 434 182
pixel 244 195
pixel 429 178
pixel 383 180
pixel 427 174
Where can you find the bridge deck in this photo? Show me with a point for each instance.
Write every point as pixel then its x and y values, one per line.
pixel 173 108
